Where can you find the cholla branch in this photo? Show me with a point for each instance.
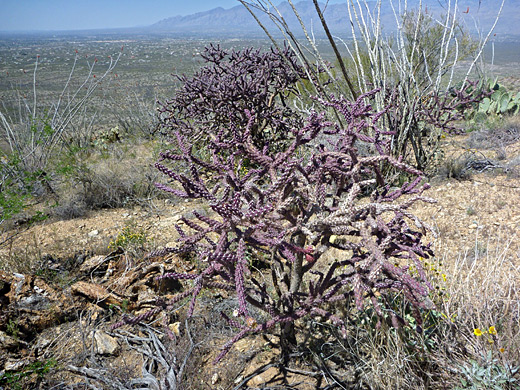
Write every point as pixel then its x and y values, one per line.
pixel 213 103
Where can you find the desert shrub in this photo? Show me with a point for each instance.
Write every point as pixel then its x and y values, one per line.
pixel 11 200
pixel 419 124
pixel 290 209
pixel 417 71
pixel 497 134
pixel 17 187
pixel 455 168
pixel 33 129
pixel 95 177
pixel 135 111
pixel 429 51
pixel 216 98
pixel 102 138
pixel 414 69
pixel 106 186
pixel 465 164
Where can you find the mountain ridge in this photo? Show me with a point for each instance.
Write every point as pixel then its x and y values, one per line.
pixel 237 20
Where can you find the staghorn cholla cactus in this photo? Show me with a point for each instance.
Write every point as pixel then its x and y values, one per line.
pixel 217 96
pixel 293 206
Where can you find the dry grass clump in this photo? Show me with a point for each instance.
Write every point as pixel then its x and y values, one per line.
pixel 470 341
pixel 482 301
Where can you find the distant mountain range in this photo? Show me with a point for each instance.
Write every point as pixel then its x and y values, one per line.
pixel 237 21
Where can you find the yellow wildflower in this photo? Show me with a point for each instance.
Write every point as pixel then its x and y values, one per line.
pixel 477 332
pixel 502 350
pixel 492 330
pixel 443 277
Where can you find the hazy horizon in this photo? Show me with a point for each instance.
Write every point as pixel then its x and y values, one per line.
pixel 56 15
pixel 66 15
pixel 27 16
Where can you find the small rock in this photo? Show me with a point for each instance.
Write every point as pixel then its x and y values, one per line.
pixel 244 345
pixel 473 226
pixel 14 364
pixel 175 328
pixel 7 342
pixel 92 263
pixel 257 380
pixel 93 233
pixel 215 378
pixel 95 292
pixel 19 284
pixel 265 377
pixel 39 290
pixel 105 344
pixel 34 302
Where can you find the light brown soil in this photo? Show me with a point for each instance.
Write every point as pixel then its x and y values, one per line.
pixel 483 210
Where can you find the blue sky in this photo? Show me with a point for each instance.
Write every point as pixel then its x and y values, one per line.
pixel 87 14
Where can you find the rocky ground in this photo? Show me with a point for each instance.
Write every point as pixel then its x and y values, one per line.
pixel 71 284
